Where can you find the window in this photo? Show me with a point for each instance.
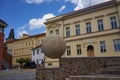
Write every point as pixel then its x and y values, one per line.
pixel 77 29
pixel 68 50
pixel 88 27
pixel 78 49
pixel 100 25
pixel 33 52
pixel 57 31
pixel 113 22
pixel 51 32
pixel 102 46
pixel 116 44
pixel 68 32
pixel 37 51
pixel 49 64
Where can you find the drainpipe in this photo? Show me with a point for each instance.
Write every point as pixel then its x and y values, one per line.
pixel 117 8
pixel 63 28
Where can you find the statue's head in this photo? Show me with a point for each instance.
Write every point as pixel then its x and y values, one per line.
pixel 53 46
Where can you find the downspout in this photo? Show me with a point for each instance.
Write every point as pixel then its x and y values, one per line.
pixel 117 5
pixel 63 29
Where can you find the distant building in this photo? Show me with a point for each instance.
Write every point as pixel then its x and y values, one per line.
pixel 37 55
pixel 21 48
pixel 11 35
pixel 90 32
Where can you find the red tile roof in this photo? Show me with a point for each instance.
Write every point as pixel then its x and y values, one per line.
pixel 36 47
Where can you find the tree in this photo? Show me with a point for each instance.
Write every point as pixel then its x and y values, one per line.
pixel 20 61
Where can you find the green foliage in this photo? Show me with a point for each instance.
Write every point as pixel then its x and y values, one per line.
pixel 21 61
pixel 26 60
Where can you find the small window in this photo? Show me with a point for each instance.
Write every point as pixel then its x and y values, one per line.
pixel 77 29
pixel 57 31
pixel 51 32
pixel 37 51
pixel 68 32
pixel 88 27
pixel 100 25
pixel 113 22
pixel 78 49
pixel 102 46
pixel 116 44
pixel 49 64
pixel 68 50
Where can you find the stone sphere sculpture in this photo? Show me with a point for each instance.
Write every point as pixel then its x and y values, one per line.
pixel 53 46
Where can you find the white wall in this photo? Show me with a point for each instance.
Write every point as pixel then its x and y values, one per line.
pixel 39 56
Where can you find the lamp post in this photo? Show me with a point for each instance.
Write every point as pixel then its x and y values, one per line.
pixel 2 26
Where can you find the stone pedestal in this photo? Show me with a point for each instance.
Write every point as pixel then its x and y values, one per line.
pixel 76 67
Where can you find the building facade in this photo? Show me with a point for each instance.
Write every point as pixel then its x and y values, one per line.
pixel 21 48
pixel 90 32
pixel 37 55
pixel 7 59
pixel 2 26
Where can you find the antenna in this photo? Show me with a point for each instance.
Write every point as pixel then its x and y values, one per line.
pixel 90 2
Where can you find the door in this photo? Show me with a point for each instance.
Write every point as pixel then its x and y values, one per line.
pixel 90 51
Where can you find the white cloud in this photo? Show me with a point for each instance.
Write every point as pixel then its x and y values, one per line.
pixel 20 33
pixel 98 1
pixel 21 30
pixel 38 23
pixel 62 8
pixel 84 3
pixel 36 1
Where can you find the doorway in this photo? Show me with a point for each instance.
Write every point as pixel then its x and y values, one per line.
pixel 90 51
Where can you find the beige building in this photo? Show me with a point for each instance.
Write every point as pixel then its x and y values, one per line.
pixel 90 32
pixel 21 48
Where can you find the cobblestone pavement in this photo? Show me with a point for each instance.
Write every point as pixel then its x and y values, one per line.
pixel 23 74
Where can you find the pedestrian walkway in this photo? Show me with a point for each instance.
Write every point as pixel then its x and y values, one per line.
pixel 14 71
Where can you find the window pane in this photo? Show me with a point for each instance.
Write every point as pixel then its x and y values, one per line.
pixel 100 25
pixel 68 32
pixel 77 29
pixel 88 27
pixel 57 31
pixel 68 50
pixel 78 49
pixel 113 22
pixel 51 32
pixel 116 44
pixel 102 46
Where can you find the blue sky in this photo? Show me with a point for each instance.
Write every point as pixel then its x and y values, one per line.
pixel 28 16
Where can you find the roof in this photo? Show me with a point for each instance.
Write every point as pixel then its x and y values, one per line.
pixel 91 8
pixel 36 47
pixel 13 40
pixel 83 11
pixel 3 24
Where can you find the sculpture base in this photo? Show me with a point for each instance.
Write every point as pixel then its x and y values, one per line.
pixel 69 67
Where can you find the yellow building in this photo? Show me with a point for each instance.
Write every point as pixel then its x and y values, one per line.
pixel 21 48
pixel 90 32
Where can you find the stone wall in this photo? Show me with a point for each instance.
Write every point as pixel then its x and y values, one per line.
pixel 74 67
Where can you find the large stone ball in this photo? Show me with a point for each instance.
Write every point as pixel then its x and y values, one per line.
pixel 53 46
